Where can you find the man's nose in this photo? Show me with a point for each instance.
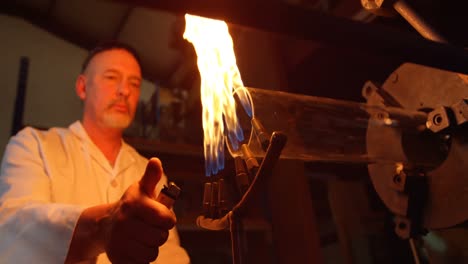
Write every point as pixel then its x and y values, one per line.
pixel 123 89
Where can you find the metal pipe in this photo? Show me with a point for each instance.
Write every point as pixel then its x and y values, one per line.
pixel 277 143
pixel 418 23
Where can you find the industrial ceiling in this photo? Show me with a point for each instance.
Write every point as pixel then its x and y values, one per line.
pixel 154 31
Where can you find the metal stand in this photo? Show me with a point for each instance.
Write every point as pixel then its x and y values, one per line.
pixel 233 219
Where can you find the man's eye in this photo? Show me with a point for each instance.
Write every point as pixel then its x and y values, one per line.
pixel 110 77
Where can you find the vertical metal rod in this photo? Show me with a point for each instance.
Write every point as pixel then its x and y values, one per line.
pixel 414 250
pixel 237 239
pixel 417 22
pixel 20 96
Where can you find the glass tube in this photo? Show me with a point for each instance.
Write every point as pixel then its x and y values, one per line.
pixel 329 130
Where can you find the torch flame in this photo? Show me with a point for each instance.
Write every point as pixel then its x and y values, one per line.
pixel 219 78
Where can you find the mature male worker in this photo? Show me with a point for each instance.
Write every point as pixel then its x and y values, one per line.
pixel 81 194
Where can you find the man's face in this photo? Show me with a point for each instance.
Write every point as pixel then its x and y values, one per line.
pixel 112 81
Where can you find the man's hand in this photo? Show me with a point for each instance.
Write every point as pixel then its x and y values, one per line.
pixel 139 224
pixel 129 230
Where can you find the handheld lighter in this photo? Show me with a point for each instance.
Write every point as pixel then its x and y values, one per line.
pixel 169 194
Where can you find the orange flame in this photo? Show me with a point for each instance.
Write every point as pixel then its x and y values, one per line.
pixel 219 78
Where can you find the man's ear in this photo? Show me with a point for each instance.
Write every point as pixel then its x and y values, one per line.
pixel 80 87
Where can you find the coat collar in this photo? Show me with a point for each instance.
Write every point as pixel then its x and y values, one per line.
pixel 124 159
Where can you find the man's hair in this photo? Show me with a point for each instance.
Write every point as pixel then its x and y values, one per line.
pixel 109 45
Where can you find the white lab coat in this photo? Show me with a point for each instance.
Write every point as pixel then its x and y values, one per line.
pixel 47 178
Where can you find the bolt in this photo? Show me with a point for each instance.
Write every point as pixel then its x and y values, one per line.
pixel 437 119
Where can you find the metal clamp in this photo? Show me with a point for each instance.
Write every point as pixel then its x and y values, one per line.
pixel 413 184
pixel 443 118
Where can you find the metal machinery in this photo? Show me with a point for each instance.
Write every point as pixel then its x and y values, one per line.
pixel 423 198
pixel 424 192
pixel 412 133
pixel 428 196
pixel 423 176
